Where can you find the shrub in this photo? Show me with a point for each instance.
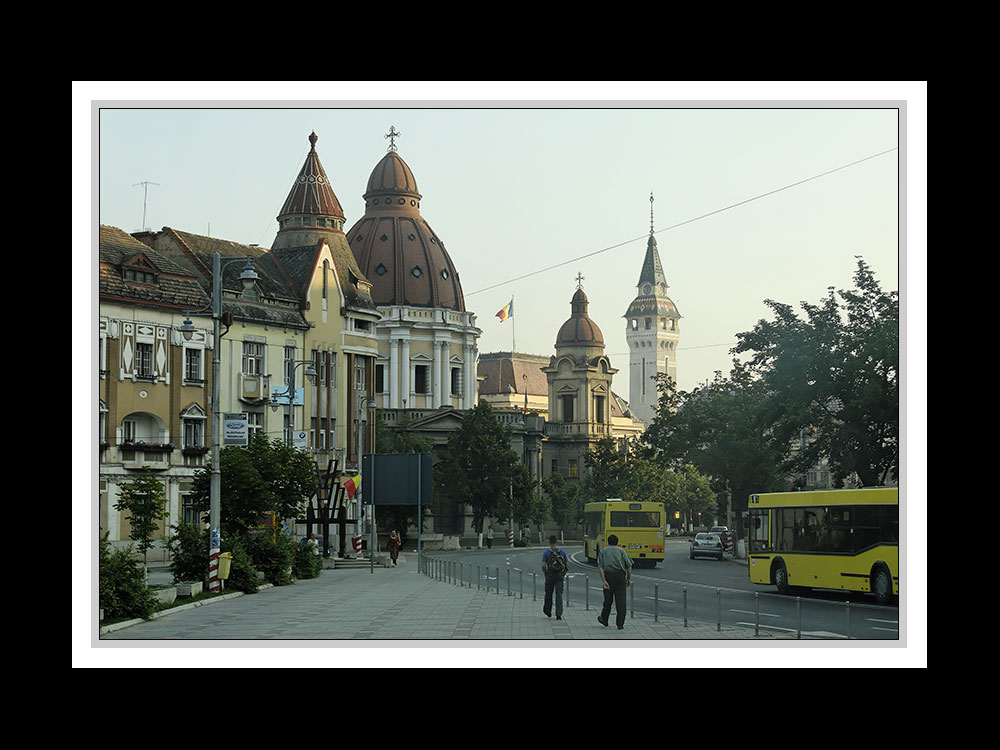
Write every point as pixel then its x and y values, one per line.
pixel 188 547
pixel 123 590
pixel 242 571
pixel 307 564
pixel 271 553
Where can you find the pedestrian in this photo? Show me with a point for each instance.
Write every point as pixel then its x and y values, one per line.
pixel 313 543
pixel 489 538
pixel 555 563
pixel 394 545
pixel 615 567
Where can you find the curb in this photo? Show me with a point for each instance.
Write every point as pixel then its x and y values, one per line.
pixel 157 615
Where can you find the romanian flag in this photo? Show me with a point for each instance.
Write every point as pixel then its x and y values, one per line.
pixel 507 311
pixel 351 486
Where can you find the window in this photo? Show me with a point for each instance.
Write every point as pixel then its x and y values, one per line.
pixel 456 381
pixel 567 404
pixel 649 323
pixel 289 363
pixel 192 365
pixel 574 470
pixel 421 379
pixel 128 430
pixel 645 519
pixel 253 358
pixel 555 466
pixel 189 511
pixel 599 409
pixel 143 360
pixel 379 378
pixel 194 433
pixel 255 423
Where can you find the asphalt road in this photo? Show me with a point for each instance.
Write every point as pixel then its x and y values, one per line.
pixel 711 589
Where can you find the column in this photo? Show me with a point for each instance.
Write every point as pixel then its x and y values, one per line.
pixel 446 373
pixel 393 373
pixel 404 380
pixel 436 375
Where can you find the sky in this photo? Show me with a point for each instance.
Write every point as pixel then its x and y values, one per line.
pixel 762 190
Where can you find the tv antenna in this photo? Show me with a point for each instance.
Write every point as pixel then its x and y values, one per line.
pixel 145 188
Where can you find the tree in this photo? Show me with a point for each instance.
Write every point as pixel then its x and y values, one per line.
pixel 263 477
pixel 834 374
pixel 721 430
pixel 565 500
pixel 146 503
pixel 478 465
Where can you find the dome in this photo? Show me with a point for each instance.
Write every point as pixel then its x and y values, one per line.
pixel 397 250
pixel 579 330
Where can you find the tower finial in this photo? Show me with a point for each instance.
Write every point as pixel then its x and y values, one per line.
pixel 312 139
pixel 392 135
pixel 650 211
pixel 579 280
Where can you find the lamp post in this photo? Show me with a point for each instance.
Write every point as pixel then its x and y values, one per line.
pixel 248 276
pixel 290 393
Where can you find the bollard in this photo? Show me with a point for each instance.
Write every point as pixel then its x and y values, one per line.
pixel 479 577
pixel 520 582
pixel 498 580
pixel 508 580
pixel 567 591
pixel 848 603
pixel 586 582
pixel 631 598
pixel 756 613
pixel 798 617
pixel 685 598
pixel 656 602
pixel 718 599
pixel 534 587
pixel 461 575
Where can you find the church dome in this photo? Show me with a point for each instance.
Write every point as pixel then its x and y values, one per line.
pixel 579 330
pixel 397 250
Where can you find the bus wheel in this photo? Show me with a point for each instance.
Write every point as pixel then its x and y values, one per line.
pixel 881 585
pixel 781 578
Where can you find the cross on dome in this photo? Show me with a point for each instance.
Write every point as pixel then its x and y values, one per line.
pixel 392 135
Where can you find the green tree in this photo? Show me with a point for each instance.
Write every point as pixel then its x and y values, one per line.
pixel 834 374
pixel 146 503
pixel 566 507
pixel 478 465
pixel 263 477
pixel 721 429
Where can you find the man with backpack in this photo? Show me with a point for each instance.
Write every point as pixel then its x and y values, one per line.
pixel 555 563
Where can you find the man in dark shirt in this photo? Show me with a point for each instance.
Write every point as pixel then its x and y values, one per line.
pixel 554 570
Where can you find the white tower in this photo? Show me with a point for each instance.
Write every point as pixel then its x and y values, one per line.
pixel 652 334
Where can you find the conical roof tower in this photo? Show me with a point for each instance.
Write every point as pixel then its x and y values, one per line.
pixel 311 210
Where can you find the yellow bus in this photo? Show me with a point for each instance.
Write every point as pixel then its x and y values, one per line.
pixel 830 539
pixel 638 526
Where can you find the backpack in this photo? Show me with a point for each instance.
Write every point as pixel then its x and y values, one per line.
pixel 556 564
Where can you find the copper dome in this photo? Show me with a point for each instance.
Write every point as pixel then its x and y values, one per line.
pixel 579 330
pixel 397 250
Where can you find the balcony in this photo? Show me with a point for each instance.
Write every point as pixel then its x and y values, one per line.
pixel 254 388
pixel 135 455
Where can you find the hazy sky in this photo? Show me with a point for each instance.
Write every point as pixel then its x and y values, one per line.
pixel 514 190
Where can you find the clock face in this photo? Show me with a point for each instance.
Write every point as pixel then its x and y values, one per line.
pixel 646 289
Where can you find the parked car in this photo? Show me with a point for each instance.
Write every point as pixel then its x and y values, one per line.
pixel 727 537
pixel 707 544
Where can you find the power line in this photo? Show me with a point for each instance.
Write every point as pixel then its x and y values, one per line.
pixel 687 221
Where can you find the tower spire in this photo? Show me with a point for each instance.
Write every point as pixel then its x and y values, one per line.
pixel 651 212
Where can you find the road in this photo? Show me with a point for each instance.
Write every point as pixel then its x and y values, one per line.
pixel 713 590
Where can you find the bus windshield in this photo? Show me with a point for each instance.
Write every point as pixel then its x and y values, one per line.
pixel 645 519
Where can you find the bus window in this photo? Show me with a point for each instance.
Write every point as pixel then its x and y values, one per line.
pixel 635 519
pixel 758 531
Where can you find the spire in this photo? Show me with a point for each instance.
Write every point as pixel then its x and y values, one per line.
pixel 311 192
pixel 652 269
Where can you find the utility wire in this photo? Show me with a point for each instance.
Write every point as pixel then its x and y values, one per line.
pixel 687 221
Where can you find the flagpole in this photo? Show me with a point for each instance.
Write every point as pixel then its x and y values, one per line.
pixel 513 339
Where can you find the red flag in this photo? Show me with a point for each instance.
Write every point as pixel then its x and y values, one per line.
pixel 351 486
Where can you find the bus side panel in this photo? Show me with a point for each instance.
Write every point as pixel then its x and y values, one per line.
pixel 842 572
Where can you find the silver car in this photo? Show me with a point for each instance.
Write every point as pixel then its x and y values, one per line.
pixel 706 544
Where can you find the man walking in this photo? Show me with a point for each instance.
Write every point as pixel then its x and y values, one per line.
pixel 615 567
pixel 555 563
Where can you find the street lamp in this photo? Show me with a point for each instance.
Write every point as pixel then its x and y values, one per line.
pixel 248 277
pixel 290 393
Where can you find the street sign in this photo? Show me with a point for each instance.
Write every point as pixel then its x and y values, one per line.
pixel 300 440
pixel 234 429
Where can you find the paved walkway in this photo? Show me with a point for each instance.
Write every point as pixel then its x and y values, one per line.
pixel 400 604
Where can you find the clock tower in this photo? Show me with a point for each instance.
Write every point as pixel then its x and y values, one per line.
pixel 652 333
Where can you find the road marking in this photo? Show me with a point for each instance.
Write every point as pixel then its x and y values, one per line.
pixel 890 630
pixel 744 612
pixel 889 622
pixel 669 601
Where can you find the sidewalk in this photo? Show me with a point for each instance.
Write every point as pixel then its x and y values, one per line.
pixel 399 603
